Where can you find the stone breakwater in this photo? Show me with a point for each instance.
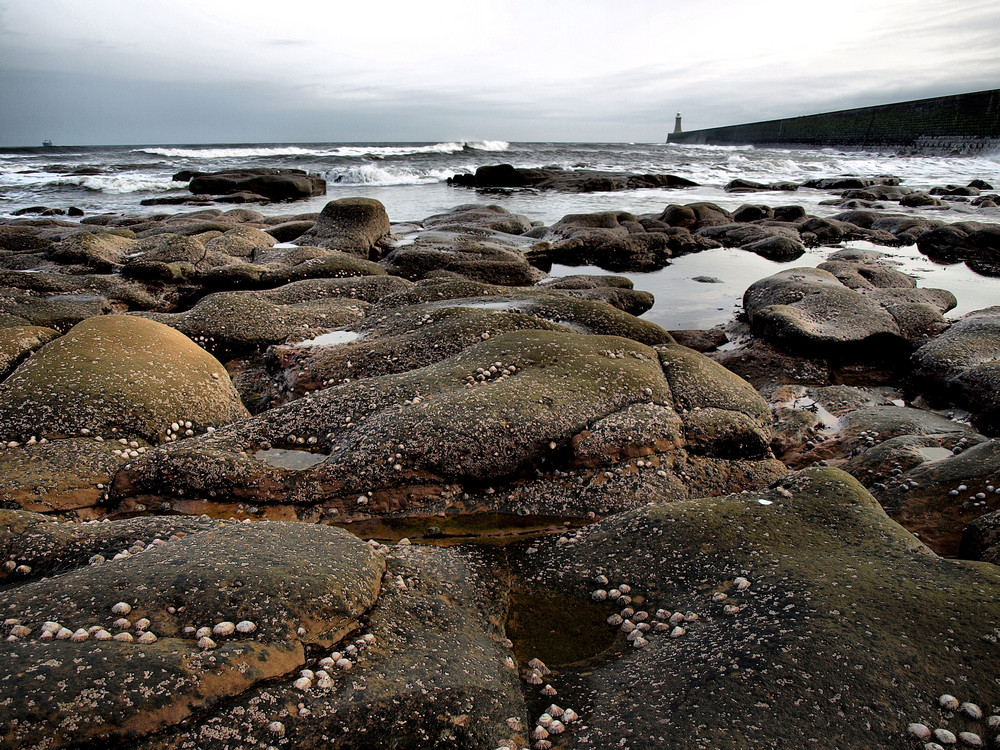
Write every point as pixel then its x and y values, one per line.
pixel 963 123
pixel 391 485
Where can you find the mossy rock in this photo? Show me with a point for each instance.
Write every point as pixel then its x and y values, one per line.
pixel 116 376
pixel 350 225
pixel 58 311
pixel 496 218
pixel 410 443
pixel 304 587
pixel 241 242
pixel 232 324
pixel 392 342
pixel 697 382
pixel 330 265
pixel 433 677
pixel 963 365
pixel 18 342
pixel 369 289
pixel 810 310
pixel 103 252
pixel 837 599
pixel 476 254
pixel 68 477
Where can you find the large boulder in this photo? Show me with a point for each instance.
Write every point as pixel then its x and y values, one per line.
pixel 272 184
pixel 963 365
pixel 351 225
pixel 780 594
pixel 300 588
pixel 231 324
pixel 813 311
pixel 515 412
pixel 116 376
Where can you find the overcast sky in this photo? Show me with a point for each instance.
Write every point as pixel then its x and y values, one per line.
pixel 242 71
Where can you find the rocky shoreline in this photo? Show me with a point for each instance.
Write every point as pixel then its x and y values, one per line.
pixel 570 528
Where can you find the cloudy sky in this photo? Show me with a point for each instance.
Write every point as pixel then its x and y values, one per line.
pixel 241 71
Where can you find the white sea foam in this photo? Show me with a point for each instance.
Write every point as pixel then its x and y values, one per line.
pixel 232 153
pixel 371 174
pixel 120 183
pixel 243 152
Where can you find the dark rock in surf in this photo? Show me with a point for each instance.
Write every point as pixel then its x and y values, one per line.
pixel 273 184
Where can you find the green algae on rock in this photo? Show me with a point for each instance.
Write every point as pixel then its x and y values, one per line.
pixel 302 588
pixel 116 376
pixel 836 624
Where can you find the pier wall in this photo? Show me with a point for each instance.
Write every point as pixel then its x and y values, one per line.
pixel 962 123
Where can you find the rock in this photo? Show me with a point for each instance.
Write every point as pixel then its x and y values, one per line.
pixel 456 435
pixel 232 324
pixel 748 186
pixel 616 242
pixel 963 365
pixel 496 218
pixel 289 231
pixel 116 376
pixel 273 184
pixel 350 225
pixel 102 252
pixel 820 533
pixel 848 182
pixel 69 477
pixel 218 571
pixel 434 675
pixel 616 291
pixel 574 181
pixel 919 200
pixel 240 242
pixel 18 342
pixel 811 311
pixel 435 320
pixel 695 216
pixel 477 254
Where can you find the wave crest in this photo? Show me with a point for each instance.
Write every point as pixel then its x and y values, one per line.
pixel 244 152
pixel 370 174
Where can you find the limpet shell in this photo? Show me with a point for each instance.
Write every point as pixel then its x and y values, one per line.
pixel 121 608
pixel 224 628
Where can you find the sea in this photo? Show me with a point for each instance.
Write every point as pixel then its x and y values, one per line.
pixel 410 179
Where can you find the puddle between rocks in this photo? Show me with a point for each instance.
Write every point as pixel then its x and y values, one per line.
pixel 934 453
pixel 287 458
pixel 560 630
pixel 333 338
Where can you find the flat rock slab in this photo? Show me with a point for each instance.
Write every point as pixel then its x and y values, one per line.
pixel 303 587
pixel 432 673
pixel 812 311
pixel 116 376
pixel 573 181
pixel 232 324
pixel 401 442
pixel 272 184
pixel 826 597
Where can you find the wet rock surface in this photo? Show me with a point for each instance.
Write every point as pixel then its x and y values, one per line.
pixel 754 604
pixel 611 549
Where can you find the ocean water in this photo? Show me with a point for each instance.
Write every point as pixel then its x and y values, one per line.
pixel 410 180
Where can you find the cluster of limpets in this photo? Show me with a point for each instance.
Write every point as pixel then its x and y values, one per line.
pixel 180 428
pixel 939 738
pixel 638 624
pixel 138 547
pixel 223 629
pixel 495 373
pixel 342 660
pixel 552 722
pixel 16 444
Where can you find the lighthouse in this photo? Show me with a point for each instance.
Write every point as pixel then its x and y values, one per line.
pixel 677 124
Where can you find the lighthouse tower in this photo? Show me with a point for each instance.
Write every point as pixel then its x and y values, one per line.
pixel 677 124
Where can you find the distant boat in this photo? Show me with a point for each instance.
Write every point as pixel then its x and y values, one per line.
pixel 47 144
